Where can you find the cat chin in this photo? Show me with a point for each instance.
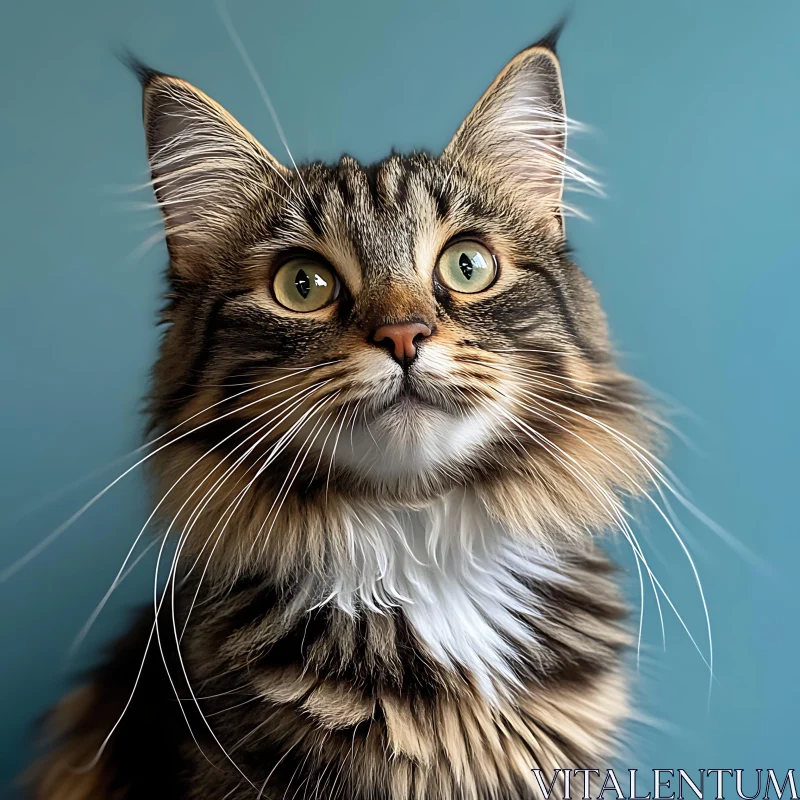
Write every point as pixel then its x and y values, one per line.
pixel 412 440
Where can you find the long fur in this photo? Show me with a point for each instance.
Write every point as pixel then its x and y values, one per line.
pixel 387 581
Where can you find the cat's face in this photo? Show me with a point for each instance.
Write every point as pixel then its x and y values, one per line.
pixel 389 332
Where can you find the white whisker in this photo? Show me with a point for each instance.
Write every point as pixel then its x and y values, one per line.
pixel 224 14
pixel 51 537
pixel 664 516
pixel 231 509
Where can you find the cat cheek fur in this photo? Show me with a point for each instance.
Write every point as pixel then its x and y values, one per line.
pixel 387 581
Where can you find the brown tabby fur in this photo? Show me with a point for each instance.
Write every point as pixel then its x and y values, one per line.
pixel 289 686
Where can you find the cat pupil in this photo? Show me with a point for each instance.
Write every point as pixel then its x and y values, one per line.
pixel 465 263
pixel 302 282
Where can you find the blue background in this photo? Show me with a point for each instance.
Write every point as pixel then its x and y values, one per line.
pixel 695 252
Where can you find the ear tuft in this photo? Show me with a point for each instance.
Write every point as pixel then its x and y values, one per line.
pixel 550 40
pixel 143 73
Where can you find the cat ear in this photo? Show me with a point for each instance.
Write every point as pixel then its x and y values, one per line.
pixel 516 135
pixel 205 166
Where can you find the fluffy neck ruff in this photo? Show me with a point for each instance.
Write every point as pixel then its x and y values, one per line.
pixel 464 581
pixel 440 648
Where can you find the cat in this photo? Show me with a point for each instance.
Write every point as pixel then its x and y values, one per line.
pixel 390 431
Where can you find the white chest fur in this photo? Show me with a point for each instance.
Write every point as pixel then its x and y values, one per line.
pixel 456 573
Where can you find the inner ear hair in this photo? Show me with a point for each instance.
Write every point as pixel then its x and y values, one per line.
pixel 516 134
pixel 205 167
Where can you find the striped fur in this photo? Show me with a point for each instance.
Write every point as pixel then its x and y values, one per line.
pixel 388 582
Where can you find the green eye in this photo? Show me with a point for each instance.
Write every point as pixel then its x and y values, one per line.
pixel 303 284
pixel 467 266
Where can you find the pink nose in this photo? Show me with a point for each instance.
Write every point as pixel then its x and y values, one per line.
pixel 402 336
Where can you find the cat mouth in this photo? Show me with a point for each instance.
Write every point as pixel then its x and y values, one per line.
pixel 411 398
pixel 405 398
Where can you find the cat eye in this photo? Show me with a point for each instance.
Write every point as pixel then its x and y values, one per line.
pixel 466 266
pixel 304 284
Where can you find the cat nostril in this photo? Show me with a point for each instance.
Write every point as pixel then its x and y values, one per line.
pixel 401 339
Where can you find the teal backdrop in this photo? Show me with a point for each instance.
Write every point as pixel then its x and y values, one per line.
pixel 695 116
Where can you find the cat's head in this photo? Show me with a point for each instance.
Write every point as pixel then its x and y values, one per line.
pixel 343 336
